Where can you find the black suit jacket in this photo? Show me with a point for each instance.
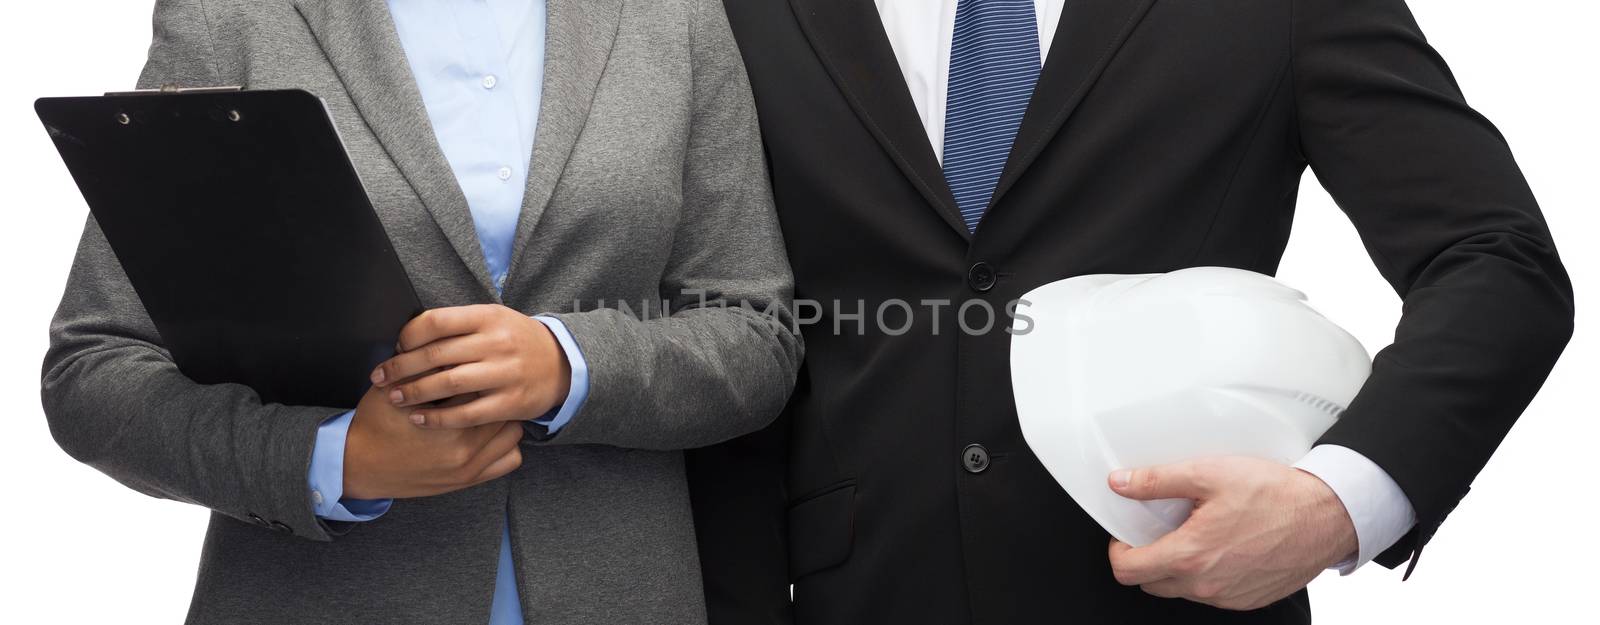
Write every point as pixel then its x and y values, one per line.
pixel 1163 134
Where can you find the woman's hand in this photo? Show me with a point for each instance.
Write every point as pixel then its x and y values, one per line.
pixel 385 457
pixel 509 362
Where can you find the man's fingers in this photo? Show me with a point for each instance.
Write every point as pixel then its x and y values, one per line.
pixel 1133 566
pixel 1166 589
pixel 457 350
pixel 1123 570
pixel 485 409
pixel 439 323
pixel 446 383
pixel 1183 480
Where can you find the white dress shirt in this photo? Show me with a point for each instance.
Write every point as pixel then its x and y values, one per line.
pixel 920 32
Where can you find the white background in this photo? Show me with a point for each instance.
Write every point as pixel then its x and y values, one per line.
pixel 76 547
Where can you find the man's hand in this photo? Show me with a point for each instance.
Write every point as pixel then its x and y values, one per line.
pixel 509 361
pixel 1259 532
pixel 386 457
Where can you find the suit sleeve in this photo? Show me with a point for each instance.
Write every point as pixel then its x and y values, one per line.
pixel 115 399
pixel 1449 220
pixel 724 359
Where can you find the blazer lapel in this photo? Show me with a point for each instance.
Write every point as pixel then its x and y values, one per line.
pixel 848 37
pixel 359 39
pixel 579 35
pixel 1088 36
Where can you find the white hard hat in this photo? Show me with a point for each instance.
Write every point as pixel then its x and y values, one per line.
pixel 1125 371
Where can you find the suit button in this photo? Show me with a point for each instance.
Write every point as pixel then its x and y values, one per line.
pixel 256 518
pixel 975 458
pixel 981 277
pixel 282 528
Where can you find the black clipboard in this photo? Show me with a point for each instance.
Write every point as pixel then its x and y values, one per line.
pixel 246 233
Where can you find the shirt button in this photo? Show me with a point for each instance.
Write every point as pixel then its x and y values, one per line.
pixel 316 497
pixel 490 81
pixel 504 173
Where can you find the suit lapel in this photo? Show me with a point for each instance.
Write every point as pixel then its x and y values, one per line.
pixel 848 37
pixel 359 39
pixel 579 35
pixel 1088 36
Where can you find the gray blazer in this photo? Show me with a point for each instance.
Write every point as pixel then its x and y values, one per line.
pixel 647 186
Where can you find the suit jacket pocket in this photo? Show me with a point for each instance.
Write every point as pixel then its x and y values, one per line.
pixel 822 529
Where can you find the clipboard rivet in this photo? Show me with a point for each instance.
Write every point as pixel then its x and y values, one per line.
pixel 122 118
pixel 233 115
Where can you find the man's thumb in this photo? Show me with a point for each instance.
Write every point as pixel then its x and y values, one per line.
pixel 1171 481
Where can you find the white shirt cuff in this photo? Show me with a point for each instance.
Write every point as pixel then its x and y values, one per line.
pixel 1379 509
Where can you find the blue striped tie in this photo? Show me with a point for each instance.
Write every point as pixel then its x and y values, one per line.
pixel 994 63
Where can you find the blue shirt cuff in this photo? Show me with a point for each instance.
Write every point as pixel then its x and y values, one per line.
pixel 326 476
pixel 579 390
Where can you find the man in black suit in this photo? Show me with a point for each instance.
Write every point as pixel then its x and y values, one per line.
pixel 921 155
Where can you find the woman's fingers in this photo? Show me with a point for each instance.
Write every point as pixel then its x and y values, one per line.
pixel 439 323
pixel 458 350
pixel 487 408
pixel 473 457
pixel 443 384
pixel 501 455
pixel 505 465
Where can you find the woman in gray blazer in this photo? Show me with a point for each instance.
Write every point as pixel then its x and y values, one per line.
pixel 537 165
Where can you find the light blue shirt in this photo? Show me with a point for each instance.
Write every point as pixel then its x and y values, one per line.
pixel 479 65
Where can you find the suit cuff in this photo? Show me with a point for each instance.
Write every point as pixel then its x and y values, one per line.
pixel 326 476
pixel 1378 508
pixel 578 391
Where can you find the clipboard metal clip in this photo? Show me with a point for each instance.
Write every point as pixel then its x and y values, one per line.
pixel 172 89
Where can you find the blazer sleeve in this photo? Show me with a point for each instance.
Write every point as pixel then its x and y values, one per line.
pixel 115 399
pixel 724 359
pixel 1449 220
